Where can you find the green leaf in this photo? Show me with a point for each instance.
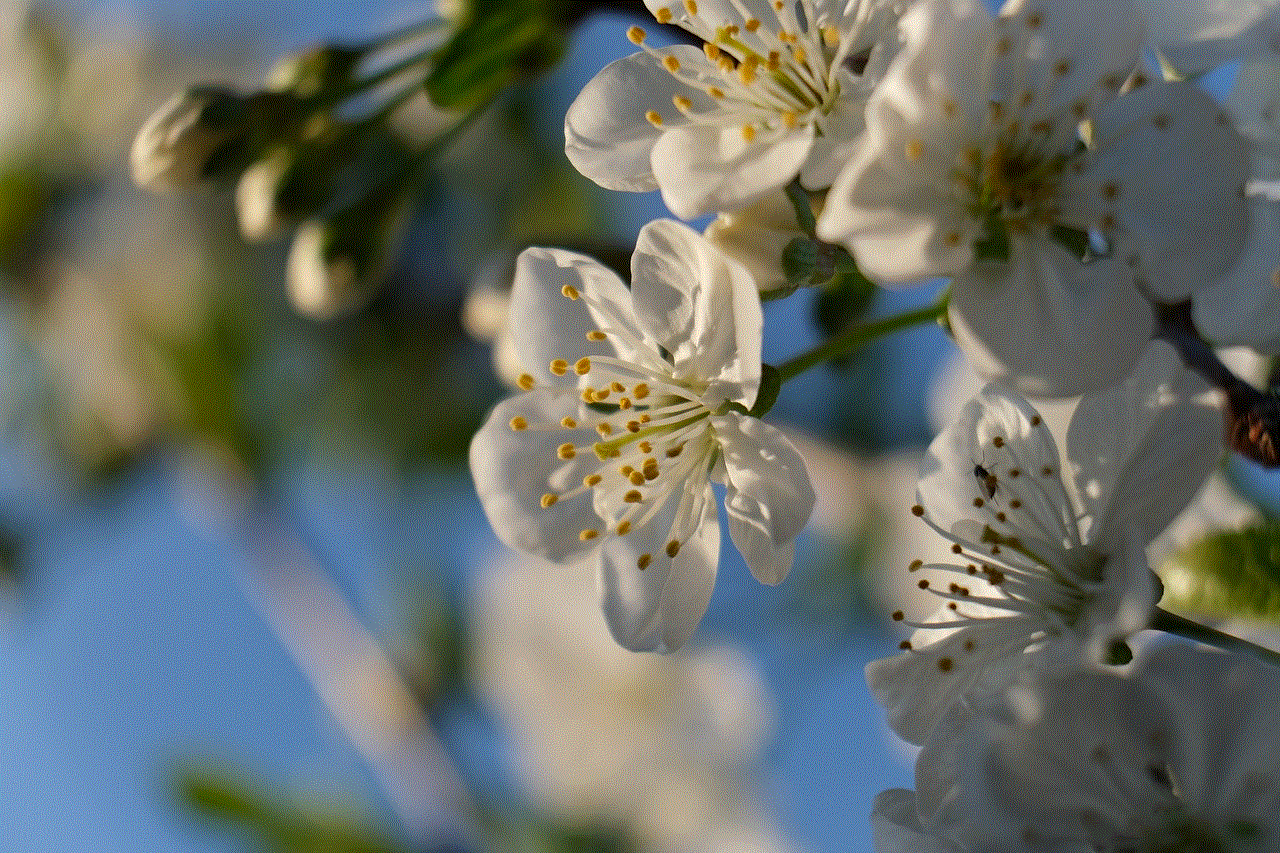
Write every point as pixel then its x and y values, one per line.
pixel 770 385
pixel 1234 573
pixel 499 43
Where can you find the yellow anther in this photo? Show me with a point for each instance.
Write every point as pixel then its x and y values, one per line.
pixel 604 429
pixel 640 391
pixel 798 53
pixel 726 64
pixel 670 63
pixel 518 423
pixel 748 132
pixel 624 403
pixel 582 366
pixel 953 238
pixel 591 480
pixel 831 35
pixel 673 548
pixel 682 103
pixel 617 387
pixel 633 426
pixel 600 395
pixel 624 527
pixel 651 472
pixel 570 292
pixel 549 500
pixel 673 452
pixel 747 73
pixel 568 422
pixel 588 396
pixel 712 51
pixel 789 119
pixel 643 562
pixel 636 35
pixel 653 118
pixel 751 25
pixel 663 15
pixel 566 451
pixel 525 382
pixel 588 534
pixel 914 150
pixel 691 6
pixel 633 496
pixel 774 62
pixel 559 367
pixel 715 92
pixel 644 419
pixel 636 478
pixel 778 5
pixel 626 470
pixel 596 335
pixel 645 447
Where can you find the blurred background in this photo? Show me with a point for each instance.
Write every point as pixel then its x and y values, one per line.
pixel 249 600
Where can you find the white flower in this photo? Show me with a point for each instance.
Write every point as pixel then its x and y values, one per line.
pixel 991 141
pixel 771 96
pixel 177 146
pixel 1198 35
pixel 1040 575
pixel 1178 756
pixel 634 407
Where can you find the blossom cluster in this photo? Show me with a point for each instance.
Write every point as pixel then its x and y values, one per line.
pixel 1057 165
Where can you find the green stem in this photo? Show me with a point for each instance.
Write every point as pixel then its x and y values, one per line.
pixel 799 197
pixel 855 339
pixel 1172 623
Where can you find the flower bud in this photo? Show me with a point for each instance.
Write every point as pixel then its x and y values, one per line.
pixel 319 69
pixel 335 265
pixel 180 144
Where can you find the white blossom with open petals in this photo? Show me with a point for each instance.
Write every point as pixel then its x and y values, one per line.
pixel 1046 567
pixel 994 143
pixel 772 96
pixel 1179 755
pixel 1198 35
pixel 634 405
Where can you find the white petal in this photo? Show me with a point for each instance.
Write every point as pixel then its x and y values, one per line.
pixel 1142 449
pixel 513 469
pixel 606 134
pixel 1098 55
pixel 950 488
pixel 895 827
pixel 844 125
pixel 756 236
pixel 1243 307
pixel 1169 169
pixel 545 325
pixel 769 497
pixel 704 169
pixel 1221 717
pixel 1048 324
pixel 658 608
pixel 700 305
pixel 943 667
pixel 1197 36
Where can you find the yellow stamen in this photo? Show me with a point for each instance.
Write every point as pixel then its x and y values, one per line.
pixel 643 562
pixel 583 366
pixel 673 548
pixel 596 335
pixel 566 451
pixel 670 63
pixel 559 367
pixel 663 16
pixel 640 391
pixel 653 118
pixel 624 528
pixel 748 132
pixel 636 35
pixel 588 535
pixel 568 422
pixel 518 423
pixel 570 292
pixel 633 497
pixel 549 500
pixel 525 382
pixel 591 480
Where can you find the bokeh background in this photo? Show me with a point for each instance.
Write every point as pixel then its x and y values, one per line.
pixel 249 599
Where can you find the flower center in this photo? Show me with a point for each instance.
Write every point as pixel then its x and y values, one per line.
pixel 768 78
pixel 655 443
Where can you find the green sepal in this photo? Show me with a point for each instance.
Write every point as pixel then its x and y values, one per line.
pixel 770 385
pixel 1233 573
